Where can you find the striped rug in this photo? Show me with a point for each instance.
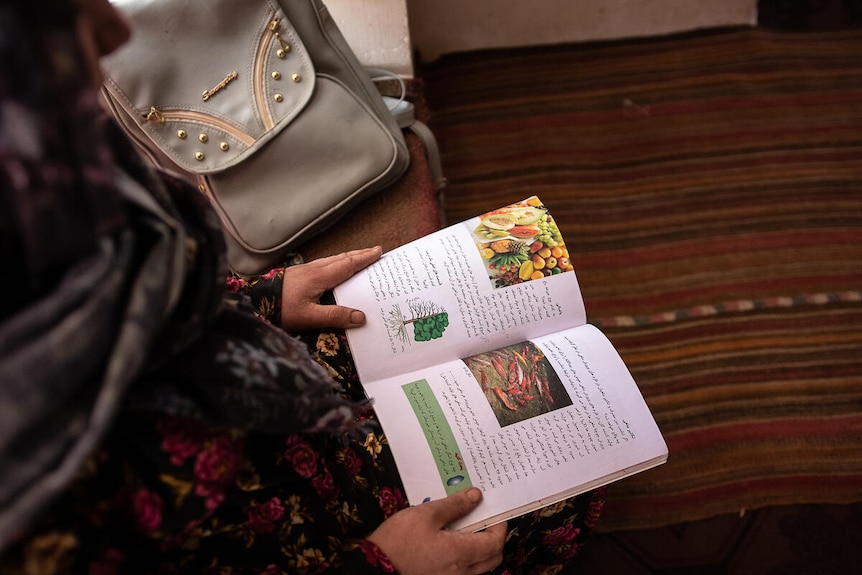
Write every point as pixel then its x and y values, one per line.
pixel 709 187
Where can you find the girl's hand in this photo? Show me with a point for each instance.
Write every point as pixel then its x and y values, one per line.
pixel 304 284
pixel 417 542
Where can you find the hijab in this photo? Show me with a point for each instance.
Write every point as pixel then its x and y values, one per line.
pixel 112 293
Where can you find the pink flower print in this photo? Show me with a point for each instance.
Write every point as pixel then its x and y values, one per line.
pixel 213 495
pixel 180 448
pixel 375 556
pixel 271 273
pixel 391 500
pixel 147 508
pixel 301 456
pixel 215 467
pixel 235 284
pixel 218 462
pixel 180 438
pixel 325 485
pixel 597 504
pixel 262 518
pixel 562 535
pixel 352 461
pixel 563 538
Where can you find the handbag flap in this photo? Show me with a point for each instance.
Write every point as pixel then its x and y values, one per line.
pixel 209 82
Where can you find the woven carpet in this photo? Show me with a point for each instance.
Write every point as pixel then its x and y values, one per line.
pixel 709 187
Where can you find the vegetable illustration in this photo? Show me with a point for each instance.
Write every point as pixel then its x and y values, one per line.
pixel 428 319
pixel 430 327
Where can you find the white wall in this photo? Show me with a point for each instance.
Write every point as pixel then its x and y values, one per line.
pixel 441 26
pixel 377 30
pixel 384 32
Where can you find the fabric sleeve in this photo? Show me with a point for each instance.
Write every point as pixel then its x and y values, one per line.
pixel 264 290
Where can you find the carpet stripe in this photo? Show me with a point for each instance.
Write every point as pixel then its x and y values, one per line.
pixel 709 187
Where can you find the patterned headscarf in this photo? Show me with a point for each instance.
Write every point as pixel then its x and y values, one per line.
pixel 113 284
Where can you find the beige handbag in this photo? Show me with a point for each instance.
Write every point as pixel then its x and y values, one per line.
pixel 263 105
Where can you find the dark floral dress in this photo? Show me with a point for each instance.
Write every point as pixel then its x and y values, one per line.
pixel 169 494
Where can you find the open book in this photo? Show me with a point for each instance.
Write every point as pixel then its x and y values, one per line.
pixel 484 371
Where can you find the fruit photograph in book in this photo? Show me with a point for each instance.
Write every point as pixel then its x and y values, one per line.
pixel 519 382
pixel 425 319
pixel 521 242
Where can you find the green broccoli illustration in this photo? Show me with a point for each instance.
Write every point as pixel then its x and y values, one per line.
pixel 429 321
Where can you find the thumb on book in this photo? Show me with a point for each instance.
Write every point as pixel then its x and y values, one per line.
pixel 456 505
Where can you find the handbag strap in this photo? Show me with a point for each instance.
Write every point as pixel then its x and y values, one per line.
pixel 405 116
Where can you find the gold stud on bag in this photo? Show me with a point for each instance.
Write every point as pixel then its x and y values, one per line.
pixel 276 122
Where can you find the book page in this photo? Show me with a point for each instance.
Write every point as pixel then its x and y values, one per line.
pixel 461 290
pixel 530 423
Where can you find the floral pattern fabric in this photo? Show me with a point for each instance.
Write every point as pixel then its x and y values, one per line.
pixel 171 494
